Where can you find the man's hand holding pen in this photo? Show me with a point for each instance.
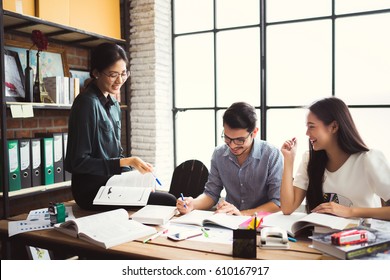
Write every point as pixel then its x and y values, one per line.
pixel 184 204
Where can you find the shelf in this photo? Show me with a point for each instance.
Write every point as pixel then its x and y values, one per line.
pixel 23 25
pixel 36 190
pixel 41 105
pixel 48 106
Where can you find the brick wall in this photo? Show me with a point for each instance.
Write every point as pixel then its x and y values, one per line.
pixel 151 91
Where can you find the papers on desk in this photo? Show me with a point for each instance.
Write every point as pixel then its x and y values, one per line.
pixel 36 220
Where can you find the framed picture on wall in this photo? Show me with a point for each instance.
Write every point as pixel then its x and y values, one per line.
pixel 52 62
pixel 14 78
pixel 83 75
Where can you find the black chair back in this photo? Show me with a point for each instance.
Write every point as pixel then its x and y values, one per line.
pixel 189 178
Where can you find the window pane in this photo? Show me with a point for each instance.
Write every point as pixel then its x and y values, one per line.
pixel 353 6
pixel 232 13
pixel 285 124
pixel 193 15
pixel 363 59
pixel 194 71
pixel 280 10
pixel 299 62
pixel 195 136
pixel 238 67
pixel 372 125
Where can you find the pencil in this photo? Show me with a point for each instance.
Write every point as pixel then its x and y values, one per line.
pixel 155 235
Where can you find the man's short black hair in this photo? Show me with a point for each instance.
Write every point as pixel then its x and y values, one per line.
pixel 240 115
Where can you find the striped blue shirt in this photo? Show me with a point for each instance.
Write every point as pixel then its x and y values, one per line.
pixel 248 186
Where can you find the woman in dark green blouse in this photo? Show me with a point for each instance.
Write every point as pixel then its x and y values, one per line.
pixel 94 151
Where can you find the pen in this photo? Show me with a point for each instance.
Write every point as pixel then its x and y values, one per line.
pixel 182 198
pixel 255 221
pixel 155 235
pixel 157 180
pixel 292 239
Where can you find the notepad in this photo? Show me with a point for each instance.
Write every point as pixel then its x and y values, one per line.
pixel 127 189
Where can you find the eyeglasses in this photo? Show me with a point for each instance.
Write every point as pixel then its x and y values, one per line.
pixel 237 141
pixel 114 75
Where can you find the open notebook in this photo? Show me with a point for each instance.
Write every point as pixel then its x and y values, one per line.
pixel 127 189
pixel 202 218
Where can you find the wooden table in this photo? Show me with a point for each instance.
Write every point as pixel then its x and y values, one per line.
pixel 159 248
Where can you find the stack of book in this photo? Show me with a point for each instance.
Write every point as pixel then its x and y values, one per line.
pixel 62 90
pixel 377 241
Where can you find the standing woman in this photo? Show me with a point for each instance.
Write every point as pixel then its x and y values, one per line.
pixel 94 151
pixel 339 175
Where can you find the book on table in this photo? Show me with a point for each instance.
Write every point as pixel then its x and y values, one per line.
pixel 298 221
pixel 106 229
pixel 154 214
pixel 377 242
pixel 202 218
pixel 127 189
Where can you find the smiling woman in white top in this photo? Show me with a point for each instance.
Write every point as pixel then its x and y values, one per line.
pixel 339 174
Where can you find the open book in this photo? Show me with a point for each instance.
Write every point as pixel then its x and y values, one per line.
pixel 106 229
pixel 127 189
pixel 297 221
pixel 202 218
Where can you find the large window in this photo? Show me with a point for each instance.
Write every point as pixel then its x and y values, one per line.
pixel 278 55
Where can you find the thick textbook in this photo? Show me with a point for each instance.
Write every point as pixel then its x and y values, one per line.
pixel 154 214
pixel 127 189
pixel 378 241
pixel 202 218
pixel 297 221
pixel 106 229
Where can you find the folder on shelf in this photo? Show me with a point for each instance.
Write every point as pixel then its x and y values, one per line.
pixel 14 181
pixel 58 158
pixel 36 162
pixel 67 175
pixel 25 162
pixel 47 148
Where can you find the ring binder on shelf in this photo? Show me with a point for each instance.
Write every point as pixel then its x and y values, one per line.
pixel 25 162
pixel 36 162
pixel 14 168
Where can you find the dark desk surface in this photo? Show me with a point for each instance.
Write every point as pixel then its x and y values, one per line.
pixel 159 248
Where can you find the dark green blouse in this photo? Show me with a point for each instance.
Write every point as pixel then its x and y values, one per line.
pixel 94 133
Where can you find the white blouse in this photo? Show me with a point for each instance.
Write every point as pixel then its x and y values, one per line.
pixel 360 182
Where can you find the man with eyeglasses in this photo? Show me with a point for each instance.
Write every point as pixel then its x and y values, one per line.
pixel 249 169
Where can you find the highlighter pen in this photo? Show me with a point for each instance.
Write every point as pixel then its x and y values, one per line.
pixel 292 239
pixel 157 180
pixel 204 232
pixel 182 198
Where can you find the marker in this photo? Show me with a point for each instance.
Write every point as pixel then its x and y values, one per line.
pixel 182 198
pixel 156 235
pixel 204 232
pixel 157 180
pixel 292 239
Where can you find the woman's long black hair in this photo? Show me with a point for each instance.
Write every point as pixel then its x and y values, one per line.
pixel 348 138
